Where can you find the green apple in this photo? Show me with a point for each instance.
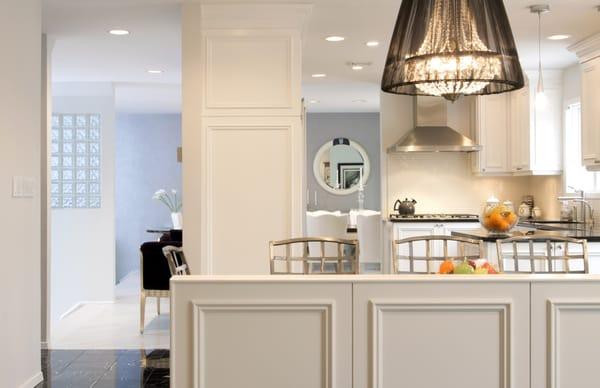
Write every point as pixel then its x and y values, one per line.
pixel 463 268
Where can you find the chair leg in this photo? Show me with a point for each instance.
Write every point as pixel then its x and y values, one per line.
pixel 142 311
pixel 158 305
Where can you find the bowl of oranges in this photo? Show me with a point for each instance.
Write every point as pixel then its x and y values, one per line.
pixel 499 218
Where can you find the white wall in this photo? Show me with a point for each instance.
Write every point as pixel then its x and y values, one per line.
pixel 20 131
pixel 83 240
pixel 440 182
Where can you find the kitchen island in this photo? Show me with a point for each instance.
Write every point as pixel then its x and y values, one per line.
pixel 383 331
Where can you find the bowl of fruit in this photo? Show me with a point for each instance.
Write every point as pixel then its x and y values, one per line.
pixel 499 218
pixel 467 267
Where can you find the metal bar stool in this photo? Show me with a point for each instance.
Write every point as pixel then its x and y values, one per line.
pixel 429 254
pixel 296 256
pixel 540 254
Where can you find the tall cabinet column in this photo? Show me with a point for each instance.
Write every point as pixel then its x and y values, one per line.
pixel 243 136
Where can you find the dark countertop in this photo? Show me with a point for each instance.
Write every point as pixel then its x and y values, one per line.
pixel 591 235
pixel 436 219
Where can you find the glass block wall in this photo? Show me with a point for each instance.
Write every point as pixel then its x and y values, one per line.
pixel 75 161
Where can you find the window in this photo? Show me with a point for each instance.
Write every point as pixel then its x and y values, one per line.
pixel 75 161
pixel 576 175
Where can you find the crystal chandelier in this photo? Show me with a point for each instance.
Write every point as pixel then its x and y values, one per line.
pixel 451 48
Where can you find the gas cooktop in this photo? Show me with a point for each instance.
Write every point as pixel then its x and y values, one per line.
pixel 434 217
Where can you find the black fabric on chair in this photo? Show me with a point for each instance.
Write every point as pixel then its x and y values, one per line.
pixel 176 234
pixel 156 273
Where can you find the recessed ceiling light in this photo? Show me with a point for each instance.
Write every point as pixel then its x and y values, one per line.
pixel 334 38
pixel 319 75
pixel 357 66
pixel 118 32
pixel 154 71
pixel 559 37
pixel 361 100
pixel 372 43
pixel 313 101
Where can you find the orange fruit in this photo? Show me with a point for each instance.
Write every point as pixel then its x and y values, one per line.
pixel 447 267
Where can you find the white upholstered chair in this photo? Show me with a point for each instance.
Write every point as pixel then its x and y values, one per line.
pixel 326 224
pixel 369 227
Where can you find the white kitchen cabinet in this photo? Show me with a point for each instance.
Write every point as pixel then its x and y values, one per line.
pixel 590 114
pixel 588 53
pixel 518 136
pixel 416 229
pixel 492 125
pixel 535 130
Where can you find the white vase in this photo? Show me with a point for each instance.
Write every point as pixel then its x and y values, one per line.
pixel 177 220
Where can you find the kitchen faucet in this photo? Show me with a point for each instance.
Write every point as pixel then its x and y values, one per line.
pixel 586 208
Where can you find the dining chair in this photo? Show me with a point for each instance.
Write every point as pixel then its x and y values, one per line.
pixel 542 254
pixel 326 224
pixel 293 256
pixel 176 259
pixel 154 275
pixel 424 254
pixel 369 226
pixel 353 215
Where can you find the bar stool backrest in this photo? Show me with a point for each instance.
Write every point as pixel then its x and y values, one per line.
pixel 293 256
pixel 542 254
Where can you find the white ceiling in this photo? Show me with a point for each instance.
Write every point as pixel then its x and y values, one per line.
pixel 84 52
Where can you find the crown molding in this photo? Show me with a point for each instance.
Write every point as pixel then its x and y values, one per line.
pixel 586 49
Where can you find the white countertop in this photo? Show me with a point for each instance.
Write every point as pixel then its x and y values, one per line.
pixel 506 278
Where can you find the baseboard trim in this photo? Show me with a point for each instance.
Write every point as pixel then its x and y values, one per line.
pixel 33 380
pixel 73 308
pixel 78 305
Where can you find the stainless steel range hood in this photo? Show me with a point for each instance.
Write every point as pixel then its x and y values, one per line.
pixel 431 132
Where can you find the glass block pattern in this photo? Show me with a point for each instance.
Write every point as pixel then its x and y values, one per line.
pixel 75 161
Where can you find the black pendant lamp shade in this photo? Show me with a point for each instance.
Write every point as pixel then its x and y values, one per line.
pixel 450 48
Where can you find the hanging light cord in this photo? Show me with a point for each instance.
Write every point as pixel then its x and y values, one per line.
pixel 540 86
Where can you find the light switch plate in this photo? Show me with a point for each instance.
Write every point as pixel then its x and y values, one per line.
pixel 23 187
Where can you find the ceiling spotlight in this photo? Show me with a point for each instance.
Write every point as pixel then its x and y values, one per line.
pixel 154 71
pixel 118 32
pixel 360 100
pixel 319 75
pixel 559 37
pixel 334 38
pixel 313 101
pixel 357 66
pixel 372 43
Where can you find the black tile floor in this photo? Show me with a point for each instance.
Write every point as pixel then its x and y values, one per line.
pixel 105 369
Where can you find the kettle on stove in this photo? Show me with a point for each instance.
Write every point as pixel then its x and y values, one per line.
pixel 406 207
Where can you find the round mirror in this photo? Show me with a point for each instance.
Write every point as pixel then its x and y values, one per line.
pixel 341 166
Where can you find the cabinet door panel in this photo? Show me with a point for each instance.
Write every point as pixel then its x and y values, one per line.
pixel 493 126
pixel 441 334
pixel 565 344
pixel 520 130
pixel 415 229
pixel 590 104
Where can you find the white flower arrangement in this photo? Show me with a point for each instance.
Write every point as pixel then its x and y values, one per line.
pixel 169 199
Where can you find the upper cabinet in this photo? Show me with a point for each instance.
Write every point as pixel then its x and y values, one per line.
pixel 590 114
pixel 492 124
pixel 536 136
pixel 518 136
pixel 588 52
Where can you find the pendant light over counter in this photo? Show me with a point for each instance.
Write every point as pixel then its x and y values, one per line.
pixel 540 97
pixel 451 48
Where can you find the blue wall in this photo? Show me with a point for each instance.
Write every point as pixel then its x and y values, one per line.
pixel 360 127
pixel 146 150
